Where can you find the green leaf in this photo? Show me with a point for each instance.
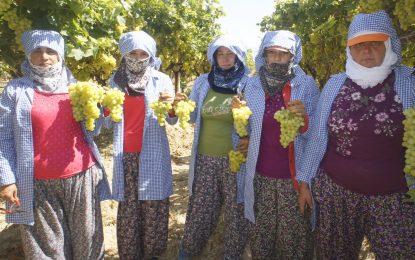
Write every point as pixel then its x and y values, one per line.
pixel 76 53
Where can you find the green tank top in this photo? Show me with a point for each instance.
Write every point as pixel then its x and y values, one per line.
pixel 215 137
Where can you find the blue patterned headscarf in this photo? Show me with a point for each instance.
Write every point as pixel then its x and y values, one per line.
pixel 282 38
pixel 139 40
pixel 226 81
pixel 378 22
pixel 32 40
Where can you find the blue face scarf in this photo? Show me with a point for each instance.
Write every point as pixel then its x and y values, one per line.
pixel 226 81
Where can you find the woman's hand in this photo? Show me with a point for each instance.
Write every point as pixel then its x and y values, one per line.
pixel 237 103
pixel 297 107
pixel 166 97
pixel 179 97
pixel 243 145
pixel 9 193
pixel 304 197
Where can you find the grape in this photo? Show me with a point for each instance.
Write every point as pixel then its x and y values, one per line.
pixel 17 24
pixel 290 123
pixel 4 5
pixel 409 144
pixel 113 100
pixel 236 158
pixel 183 110
pixel 160 109
pixel 107 64
pixel 85 98
pixel 240 119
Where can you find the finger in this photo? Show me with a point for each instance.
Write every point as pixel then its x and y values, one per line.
pixel 16 199
pixel 301 205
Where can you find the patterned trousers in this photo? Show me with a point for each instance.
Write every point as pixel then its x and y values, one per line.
pixel 214 186
pixel 68 222
pixel 280 231
pixel 345 217
pixel 142 225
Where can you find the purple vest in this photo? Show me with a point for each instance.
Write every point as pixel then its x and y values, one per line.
pixel 364 151
pixel 272 158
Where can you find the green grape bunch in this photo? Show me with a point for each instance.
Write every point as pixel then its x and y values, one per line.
pixel 85 98
pixel 236 159
pixel 5 5
pixel 409 144
pixel 113 100
pixel 290 123
pixel 240 119
pixel 183 109
pixel 160 109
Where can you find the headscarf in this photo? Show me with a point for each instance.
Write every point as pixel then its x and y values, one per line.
pixel 52 79
pixel 134 74
pixel 226 81
pixel 367 24
pixel 275 75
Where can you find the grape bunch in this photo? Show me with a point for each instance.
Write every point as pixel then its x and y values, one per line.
pixel 160 109
pixel 290 123
pixel 113 100
pixel 183 110
pixel 85 98
pixel 240 119
pixel 18 24
pixel 236 158
pixel 409 144
pixel 4 5
pixel 106 63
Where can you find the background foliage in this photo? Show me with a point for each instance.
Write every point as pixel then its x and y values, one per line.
pixel 91 29
pixel 322 26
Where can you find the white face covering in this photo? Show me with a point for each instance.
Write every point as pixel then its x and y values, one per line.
pixel 49 78
pixel 370 77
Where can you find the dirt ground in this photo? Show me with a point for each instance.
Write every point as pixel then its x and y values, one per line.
pixel 180 145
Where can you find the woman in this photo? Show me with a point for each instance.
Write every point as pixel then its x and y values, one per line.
pixel 278 231
pixel 49 163
pixel 211 184
pixel 142 168
pixel 355 150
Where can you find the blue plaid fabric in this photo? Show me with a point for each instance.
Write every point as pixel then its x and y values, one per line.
pixel 16 147
pixel 198 95
pixel 316 147
pixel 229 42
pixel 50 39
pixel 282 38
pixel 303 88
pixel 379 22
pixel 155 178
pixel 42 38
pixel 139 40
pixel 404 87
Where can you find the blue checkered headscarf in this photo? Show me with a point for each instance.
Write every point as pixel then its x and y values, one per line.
pixel 226 81
pixel 229 42
pixel 139 40
pixel 378 22
pixel 42 38
pixel 49 39
pixel 282 38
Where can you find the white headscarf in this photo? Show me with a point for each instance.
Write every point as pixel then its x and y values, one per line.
pixel 370 77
